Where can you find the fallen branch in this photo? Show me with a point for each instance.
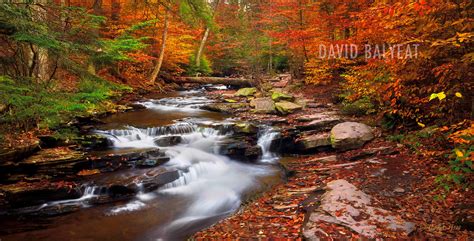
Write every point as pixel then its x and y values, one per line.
pixel 215 80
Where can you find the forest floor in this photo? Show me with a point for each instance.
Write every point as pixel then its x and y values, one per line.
pixel 400 181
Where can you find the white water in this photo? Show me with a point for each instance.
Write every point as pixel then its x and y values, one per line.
pixel 265 141
pixel 211 185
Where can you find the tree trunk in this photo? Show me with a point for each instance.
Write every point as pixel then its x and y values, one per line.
pixel 156 71
pixel 97 7
pixel 204 38
pixel 201 46
pixel 215 80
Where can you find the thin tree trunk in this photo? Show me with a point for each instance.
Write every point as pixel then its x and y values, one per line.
pixel 204 39
pixel 156 71
pixel 201 46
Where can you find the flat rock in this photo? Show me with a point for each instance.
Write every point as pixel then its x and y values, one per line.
pixel 344 204
pixel 350 135
pixel 245 92
pixel 263 105
pixel 225 107
pixel 278 96
pixel 310 142
pixel 320 124
pixel 17 153
pixel 286 107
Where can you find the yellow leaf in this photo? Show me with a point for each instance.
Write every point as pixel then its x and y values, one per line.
pixel 441 95
pixel 459 153
pixel 459 95
pixel 421 125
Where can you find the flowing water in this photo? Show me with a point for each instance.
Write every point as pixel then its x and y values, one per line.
pixel 209 186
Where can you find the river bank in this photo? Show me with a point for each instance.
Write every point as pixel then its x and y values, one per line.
pixel 167 165
pixel 192 158
pixel 397 181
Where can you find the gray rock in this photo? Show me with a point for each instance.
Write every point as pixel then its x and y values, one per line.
pixel 350 135
pixel 168 141
pixel 263 105
pixel 310 142
pixel 344 204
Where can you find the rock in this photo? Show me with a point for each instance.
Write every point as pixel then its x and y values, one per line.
pixel 225 107
pixel 54 162
pixel 344 204
pixel 147 163
pixel 30 194
pixel 111 162
pixel 312 142
pixel 230 101
pixel 165 141
pixel 19 152
pixel 136 106
pixel 263 105
pixel 240 150
pixel 350 135
pixel 320 122
pixel 49 141
pixel 246 92
pixel 278 96
pixel 285 107
pixel 399 190
pixel 95 142
pixel 245 128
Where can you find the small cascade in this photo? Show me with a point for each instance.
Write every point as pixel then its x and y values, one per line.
pixel 208 187
pixel 145 138
pixel 88 193
pixel 182 104
pixel 265 141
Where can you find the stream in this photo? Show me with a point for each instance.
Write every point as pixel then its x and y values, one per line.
pixel 207 186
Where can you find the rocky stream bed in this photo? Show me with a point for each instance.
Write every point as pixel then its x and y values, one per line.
pixel 210 162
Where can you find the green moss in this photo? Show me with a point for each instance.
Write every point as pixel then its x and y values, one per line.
pixel 359 107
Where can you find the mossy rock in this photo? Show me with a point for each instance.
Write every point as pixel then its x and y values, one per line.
pixel 246 128
pixel 286 107
pixel 359 107
pixel 230 101
pixel 245 92
pixel 277 96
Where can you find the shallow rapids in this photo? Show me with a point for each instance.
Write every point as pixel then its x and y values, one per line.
pixel 205 185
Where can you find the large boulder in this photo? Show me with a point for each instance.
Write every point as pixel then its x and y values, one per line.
pixel 246 92
pixel 286 107
pixel 278 96
pixel 263 105
pixel 350 135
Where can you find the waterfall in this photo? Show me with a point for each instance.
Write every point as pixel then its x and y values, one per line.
pixel 265 142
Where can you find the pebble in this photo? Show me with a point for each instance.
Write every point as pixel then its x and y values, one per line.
pixel 399 190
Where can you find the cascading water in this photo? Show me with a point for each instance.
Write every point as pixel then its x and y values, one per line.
pixel 209 186
pixel 265 142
